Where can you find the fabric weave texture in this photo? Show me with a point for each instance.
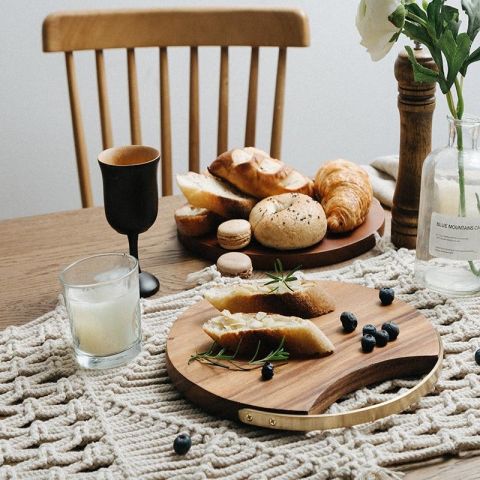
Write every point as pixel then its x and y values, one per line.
pixel 59 422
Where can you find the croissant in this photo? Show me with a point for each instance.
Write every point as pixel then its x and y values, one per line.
pixel 345 192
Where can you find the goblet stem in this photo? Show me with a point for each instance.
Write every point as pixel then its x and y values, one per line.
pixel 133 247
pixel 149 284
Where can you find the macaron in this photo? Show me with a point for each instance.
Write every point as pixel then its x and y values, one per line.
pixel 234 234
pixel 235 264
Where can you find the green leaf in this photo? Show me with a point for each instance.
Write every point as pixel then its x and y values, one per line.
pixel 474 57
pixel 421 73
pixel 451 19
pixel 398 16
pixel 472 9
pixel 434 16
pixel 416 10
pixel 417 33
pixel 456 52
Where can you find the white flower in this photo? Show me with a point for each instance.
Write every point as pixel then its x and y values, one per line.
pixel 379 22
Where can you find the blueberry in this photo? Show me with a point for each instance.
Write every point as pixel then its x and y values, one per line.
pixel 392 329
pixel 381 337
pixel 267 371
pixel 349 321
pixel 477 356
pixel 368 343
pixel 369 329
pixel 386 295
pixel 182 444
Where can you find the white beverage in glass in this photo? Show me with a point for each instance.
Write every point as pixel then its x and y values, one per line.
pixel 103 302
pixel 106 324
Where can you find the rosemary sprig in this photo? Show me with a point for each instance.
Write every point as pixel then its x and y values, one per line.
pixel 280 278
pixel 224 360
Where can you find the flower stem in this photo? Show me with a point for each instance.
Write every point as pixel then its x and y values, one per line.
pixel 457 114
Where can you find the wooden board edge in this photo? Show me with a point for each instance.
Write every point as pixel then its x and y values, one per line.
pixel 350 418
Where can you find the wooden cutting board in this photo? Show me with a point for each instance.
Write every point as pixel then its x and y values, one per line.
pixel 334 248
pixel 308 386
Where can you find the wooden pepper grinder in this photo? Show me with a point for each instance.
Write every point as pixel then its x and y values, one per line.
pixel 416 103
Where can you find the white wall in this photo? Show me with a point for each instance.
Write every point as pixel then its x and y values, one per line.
pixel 338 102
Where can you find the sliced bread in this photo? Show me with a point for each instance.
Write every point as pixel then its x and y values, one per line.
pixel 194 222
pixel 307 300
pixel 205 191
pixel 245 330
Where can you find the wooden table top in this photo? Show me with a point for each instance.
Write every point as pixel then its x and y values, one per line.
pixel 35 249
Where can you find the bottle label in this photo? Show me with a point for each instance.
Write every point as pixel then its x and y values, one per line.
pixel 456 238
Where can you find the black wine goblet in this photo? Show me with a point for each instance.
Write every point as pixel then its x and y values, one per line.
pixel 130 193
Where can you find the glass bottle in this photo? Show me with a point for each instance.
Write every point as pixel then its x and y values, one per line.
pixel 448 239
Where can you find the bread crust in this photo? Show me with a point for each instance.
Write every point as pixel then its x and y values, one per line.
pixel 305 303
pixel 288 221
pixel 254 172
pixel 195 224
pixel 202 192
pixel 345 192
pixel 304 340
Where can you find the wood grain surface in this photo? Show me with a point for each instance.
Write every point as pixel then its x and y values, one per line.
pixel 34 250
pixel 332 249
pixel 305 386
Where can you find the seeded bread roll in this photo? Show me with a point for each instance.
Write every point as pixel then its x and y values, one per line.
pixel 302 338
pixel 195 222
pixel 307 300
pixel 204 191
pixel 253 171
pixel 288 221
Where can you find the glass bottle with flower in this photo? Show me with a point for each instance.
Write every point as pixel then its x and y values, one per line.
pixel 448 240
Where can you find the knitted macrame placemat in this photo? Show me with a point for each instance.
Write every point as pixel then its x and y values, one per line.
pixel 60 422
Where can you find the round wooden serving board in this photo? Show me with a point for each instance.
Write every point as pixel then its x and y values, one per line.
pixel 303 388
pixel 334 248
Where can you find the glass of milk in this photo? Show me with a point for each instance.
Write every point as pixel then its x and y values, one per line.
pixel 103 302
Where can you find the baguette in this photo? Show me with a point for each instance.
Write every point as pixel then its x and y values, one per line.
pixel 204 191
pixel 307 300
pixel 194 222
pixel 254 172
pixel 245 330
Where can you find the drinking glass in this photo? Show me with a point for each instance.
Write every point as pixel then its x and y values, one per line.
pixel 130 193
pixel 103 302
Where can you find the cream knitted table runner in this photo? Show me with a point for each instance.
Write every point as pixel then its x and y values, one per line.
pixel 58 422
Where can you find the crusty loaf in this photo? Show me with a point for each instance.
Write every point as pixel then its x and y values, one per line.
pixel 288 221
pixel 194 222
pixel 345 191
pixel 307 300
pixel 245 330
pixel 253 171
pixel 204 191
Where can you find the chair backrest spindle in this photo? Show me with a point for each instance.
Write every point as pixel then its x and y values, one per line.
pixel 222 137
pixel 133 101
pixel 78 133
pixel 194 124
pixel 278 106
pixel 105 119
pixel 165 124
pixel 251 126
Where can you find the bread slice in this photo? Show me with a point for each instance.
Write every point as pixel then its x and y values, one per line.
pixel 307 300
pixel 204 191
pixel 253 171
pixel 245 330
pixel 194 222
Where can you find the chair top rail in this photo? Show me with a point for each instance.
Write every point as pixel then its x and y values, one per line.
pixel 130 28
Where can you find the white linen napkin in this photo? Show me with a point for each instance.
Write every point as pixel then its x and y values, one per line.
pixel 383 172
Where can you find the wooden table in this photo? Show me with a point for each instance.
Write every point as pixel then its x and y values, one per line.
pixel 35 249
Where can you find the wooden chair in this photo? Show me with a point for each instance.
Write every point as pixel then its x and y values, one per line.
pixel 130 29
